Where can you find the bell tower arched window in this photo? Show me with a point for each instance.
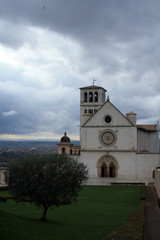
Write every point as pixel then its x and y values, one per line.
pixel 96 96
pixel 91 97
pixel 85 96
pixel 63 150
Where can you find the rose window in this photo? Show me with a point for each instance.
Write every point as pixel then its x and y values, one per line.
pixel 107 137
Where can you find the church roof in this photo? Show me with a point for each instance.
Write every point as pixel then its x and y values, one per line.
pixel 150 128
pixel 116 109
pixel 93 87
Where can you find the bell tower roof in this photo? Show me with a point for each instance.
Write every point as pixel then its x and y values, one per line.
pixel 93 87
pixel 65 138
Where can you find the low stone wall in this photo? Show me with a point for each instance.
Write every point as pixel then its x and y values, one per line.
pixel 157 181
pixel 118 181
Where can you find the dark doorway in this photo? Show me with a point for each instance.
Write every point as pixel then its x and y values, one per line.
pixel 104 172
pixel 111 170
pixel 63 150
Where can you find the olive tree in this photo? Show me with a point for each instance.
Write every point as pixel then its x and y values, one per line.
pixel 46 181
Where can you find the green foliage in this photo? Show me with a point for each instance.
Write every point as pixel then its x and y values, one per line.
pixel 46 181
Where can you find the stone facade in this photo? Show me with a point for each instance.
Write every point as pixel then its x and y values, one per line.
pixel 66 147
pixel 113 146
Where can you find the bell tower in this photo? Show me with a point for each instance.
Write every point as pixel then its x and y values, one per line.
pixel 91 99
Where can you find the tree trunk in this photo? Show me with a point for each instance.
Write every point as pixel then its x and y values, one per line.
pixel 43 218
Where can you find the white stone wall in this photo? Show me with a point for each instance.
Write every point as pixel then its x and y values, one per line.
pixel 126 138
pixel 153 142
pixel 147 141
pixel 132 167
pixel 117 117
pixel 126 163
pixel 157 181
pixel 146 164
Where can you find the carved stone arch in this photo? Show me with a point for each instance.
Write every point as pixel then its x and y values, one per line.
pixel 107 166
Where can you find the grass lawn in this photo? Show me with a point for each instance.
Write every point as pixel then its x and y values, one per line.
pixel 98 211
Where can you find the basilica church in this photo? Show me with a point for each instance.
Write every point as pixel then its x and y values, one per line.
pixel 112 145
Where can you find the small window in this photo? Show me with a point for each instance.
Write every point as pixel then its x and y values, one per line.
pixel 108 119
pixel 63 150
pixel 85 111
pixel 95 110
pixel 90 111
pixel 85 96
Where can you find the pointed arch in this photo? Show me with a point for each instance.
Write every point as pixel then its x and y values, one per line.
pixel 104 170
pixel 107 166
pixel 112 169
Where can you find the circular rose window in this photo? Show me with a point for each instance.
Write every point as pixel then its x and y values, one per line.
pixel 107 137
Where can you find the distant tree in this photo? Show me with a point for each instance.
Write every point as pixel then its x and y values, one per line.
pixel 46 181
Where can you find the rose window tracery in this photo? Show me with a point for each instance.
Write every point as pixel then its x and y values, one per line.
pixel 107 137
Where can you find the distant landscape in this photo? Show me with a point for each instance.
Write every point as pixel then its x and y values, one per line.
pixel 11 149
pixel 30 145
pixel 38 145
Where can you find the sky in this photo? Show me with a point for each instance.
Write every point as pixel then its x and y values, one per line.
pixel 51 48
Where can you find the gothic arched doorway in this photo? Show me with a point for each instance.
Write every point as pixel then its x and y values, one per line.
pixel 112 170
pixel 107 166
pixel 104 170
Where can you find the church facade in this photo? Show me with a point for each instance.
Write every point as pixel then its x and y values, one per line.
pixel 112 145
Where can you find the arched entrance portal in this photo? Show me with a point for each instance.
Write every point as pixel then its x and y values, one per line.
pixel 107 166
pixel 112 169
pixel 104 170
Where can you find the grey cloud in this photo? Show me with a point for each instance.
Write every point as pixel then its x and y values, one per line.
pixel 15 34
pixel 38 110
pixel 120 48
pixel 87 20
pixel 8 114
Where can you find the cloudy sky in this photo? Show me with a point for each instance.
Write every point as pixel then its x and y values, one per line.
pixel 51 48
